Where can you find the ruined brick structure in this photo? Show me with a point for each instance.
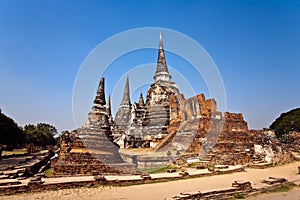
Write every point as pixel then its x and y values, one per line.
pixel 165 121
pixel 235 123
pixel 190 121
pixel 193 108
pixel 92 148
pixel 197 126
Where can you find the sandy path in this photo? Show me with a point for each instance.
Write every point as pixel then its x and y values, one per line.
pixel 291 195
pixel 158 191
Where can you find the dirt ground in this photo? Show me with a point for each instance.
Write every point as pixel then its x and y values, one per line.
pixel 167 190
pixel 293 194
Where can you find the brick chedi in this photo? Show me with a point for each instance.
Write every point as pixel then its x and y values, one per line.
pixel 92 149
pixel 157 117
pixel 122 118
pixel 148 120
pixel 96 134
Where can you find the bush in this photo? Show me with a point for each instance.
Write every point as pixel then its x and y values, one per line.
pixel 287 122
pixel 239 196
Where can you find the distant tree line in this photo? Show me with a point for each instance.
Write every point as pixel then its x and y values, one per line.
pixel 286 122
pixel 41 134
pixel 10 133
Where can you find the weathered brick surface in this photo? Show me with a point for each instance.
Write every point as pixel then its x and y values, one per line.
pixel 91 148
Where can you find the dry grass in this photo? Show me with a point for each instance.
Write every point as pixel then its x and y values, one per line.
pixel 49 172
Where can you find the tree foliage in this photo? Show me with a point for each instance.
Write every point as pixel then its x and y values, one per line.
pixel 41 134
pixel 289 121
pixel 10 133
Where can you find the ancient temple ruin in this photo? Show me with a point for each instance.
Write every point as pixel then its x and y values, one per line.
pixel 166 113
pixel 168 121
pixel 171 126
pixel 90 149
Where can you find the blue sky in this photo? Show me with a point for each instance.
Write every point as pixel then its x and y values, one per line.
pixel 255 44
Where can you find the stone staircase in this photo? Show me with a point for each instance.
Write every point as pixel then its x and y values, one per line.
pixel 182 139
pixel 172 130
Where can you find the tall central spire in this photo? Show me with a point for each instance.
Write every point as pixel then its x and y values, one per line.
pixel 162 72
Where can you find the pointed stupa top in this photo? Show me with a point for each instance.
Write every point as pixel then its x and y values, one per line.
pixel 162 72
pixel 161 46
pixel 126 95
pixel 100 96
pixel 141 100
pixel 108 107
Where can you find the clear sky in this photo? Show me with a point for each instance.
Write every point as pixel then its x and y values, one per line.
pixel 255 44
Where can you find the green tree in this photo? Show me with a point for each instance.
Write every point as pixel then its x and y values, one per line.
pixel 41 134
pixel 10 133
pixel 289 121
